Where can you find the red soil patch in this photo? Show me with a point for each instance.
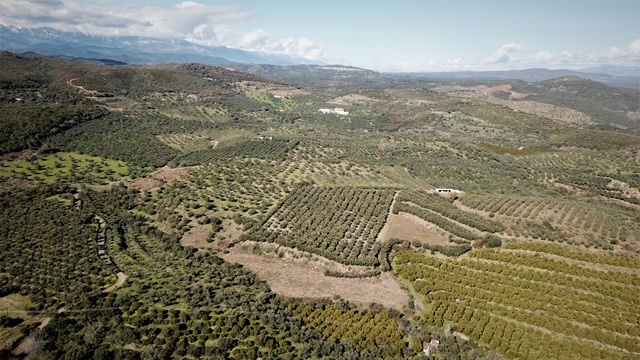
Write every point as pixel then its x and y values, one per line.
pixel 159 177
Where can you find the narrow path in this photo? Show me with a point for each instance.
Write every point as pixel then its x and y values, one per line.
pixel 26 345
pixel 44 323
pixel 122 277
pixel 385 228
pixel 101 241
pixel 81 88
pixel 76 200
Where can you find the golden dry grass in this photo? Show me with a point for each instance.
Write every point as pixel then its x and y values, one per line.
pixel 298 280
pixel 410 227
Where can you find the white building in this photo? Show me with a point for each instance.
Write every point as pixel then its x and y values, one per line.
pixel 339 111
pixel 432 347
pixel 445 191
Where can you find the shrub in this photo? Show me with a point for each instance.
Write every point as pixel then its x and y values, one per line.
pixel 493 241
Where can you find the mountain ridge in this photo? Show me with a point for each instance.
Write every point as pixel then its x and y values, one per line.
pixel 130 49
pixel 531 75
pixel 146 51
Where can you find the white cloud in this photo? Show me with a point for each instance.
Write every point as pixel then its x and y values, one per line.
pixel 211 35
pixel 199 23
pixel 543 56
pixel 188 4
pixel 634 47
pixel 502 54
pixel 632 51
pixel 257 38
pixel 110 19
pixel 503 58
pixel 260 40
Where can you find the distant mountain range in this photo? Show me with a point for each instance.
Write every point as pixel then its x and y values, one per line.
pixel 120 50
pixel 620 76
pixel 129 49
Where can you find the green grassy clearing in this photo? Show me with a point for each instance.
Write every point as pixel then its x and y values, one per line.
pixel 64 166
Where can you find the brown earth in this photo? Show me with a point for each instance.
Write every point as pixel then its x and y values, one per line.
pixel 550 111
pixel 275 89
pixel 159 177
pixel 351 99
pixel 17 306
pixel 26 346
pixel 297 280
pixel 197 236
pixel 484 89
pixel 19 155
pixel 410 227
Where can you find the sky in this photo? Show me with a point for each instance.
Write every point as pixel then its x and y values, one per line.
pixel 390 35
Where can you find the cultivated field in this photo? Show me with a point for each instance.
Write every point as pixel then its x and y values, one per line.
pixel 533 300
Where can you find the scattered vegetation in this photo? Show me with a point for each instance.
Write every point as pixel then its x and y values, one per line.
pixel 185 161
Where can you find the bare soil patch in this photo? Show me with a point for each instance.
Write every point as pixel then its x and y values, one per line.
pixel 19 155
pixel 26 346
pixel 17 306
pixel 486 89
pixel 159 177
pixel 275 89
pixel 633 115
pixel 517 95
pixel 410 227
pixel 197 237
pixel 199 233
pixel 291 279
pixel 550 111
pixel 44 323
pixel 529 106
pixel 351 99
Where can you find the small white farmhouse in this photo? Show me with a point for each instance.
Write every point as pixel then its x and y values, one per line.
pixel 338 111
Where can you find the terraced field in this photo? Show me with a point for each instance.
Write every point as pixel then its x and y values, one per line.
pixel 602 223
pixel 341 224
pixel 533 300
pixel 260 148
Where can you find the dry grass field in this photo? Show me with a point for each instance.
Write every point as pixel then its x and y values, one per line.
pixel 16 306
pixel 289 278
pixel 410 227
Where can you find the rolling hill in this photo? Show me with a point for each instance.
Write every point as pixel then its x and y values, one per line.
pixel 195 211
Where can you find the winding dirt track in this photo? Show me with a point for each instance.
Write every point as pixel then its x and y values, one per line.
pixel 122 277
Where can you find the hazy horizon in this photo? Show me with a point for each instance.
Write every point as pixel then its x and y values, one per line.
pixel 395 36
